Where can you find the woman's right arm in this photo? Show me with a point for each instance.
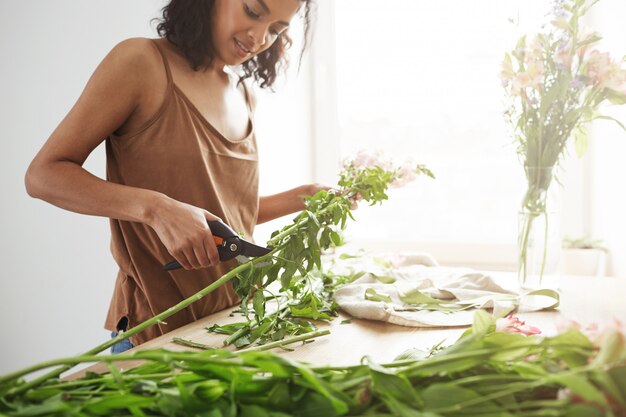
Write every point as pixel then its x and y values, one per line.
pixel 114 95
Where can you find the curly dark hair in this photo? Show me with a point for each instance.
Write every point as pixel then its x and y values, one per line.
pixel 186 24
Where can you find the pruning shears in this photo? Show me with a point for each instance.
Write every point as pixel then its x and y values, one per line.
pixel 229 245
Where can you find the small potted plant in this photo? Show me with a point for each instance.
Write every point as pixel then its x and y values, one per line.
pixel 583 256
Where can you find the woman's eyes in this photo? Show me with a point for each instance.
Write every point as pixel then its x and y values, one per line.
pixel 251 12
pixel 257 16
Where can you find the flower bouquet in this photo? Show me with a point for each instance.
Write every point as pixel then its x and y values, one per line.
pixel 555 83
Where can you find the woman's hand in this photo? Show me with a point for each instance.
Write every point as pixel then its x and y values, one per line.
pixel 354 201
pixel 185 232
pixel 312 189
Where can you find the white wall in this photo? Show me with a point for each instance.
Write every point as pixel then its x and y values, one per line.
pixel 57 273
pixel 608 149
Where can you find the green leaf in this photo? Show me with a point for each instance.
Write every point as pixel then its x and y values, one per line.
pixel 581 386
pixel 483 322
pixel 385 263
pixel 416 297
pixel 336 238
pixel 345 256
pixel 258 303
pixel 253 411
pixel 308 312
pixel 445 396
pixel 107 405
pixel 55 406
pixel 372 295
pixel 387 383
pixel 287 274
pixel 620 124
pixel 210 390
pixel 279 396
pixel 528 370
pixel 612 349
pixel 609 383
pixel 314 404
pixel 581 410
pixel 572 347
pixel 615 97
pixel 512 346
pixel 618 376
pixel 384 279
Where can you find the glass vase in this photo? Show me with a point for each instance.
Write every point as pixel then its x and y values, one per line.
pixel 539 239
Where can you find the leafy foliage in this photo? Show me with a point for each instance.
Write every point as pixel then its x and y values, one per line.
pixel 484 373
pixel 296 261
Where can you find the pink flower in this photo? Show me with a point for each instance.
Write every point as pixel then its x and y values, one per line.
pixel 586 38
pixel 563 55
pixel 507 73
pixel 510 324
pixel 405 175
pixel 593 331
pixel 364 159
pixel 604 72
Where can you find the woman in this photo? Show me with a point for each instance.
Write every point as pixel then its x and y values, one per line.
pixel 181 151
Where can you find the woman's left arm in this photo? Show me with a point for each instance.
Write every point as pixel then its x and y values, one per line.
pixel 277 205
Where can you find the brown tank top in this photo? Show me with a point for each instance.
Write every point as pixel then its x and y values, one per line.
pixel 180 154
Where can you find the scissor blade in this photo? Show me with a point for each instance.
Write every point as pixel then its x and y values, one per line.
pixel 250 249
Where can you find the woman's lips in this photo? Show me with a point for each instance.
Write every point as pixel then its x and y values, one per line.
pixel 241 49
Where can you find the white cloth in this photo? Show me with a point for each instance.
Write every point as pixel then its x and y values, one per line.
pixel 460 289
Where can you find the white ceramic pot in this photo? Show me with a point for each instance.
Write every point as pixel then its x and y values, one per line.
pixel 591 262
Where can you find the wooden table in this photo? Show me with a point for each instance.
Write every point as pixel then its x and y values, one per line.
pixel 584 299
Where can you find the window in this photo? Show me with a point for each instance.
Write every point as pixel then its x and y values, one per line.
pixel 419 80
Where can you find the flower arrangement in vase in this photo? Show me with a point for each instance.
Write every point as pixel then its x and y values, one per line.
pixel 555 83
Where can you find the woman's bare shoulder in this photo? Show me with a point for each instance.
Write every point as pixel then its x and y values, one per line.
pixel 137 56
pixel 124 90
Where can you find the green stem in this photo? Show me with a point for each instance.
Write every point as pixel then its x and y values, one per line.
pixel 485 378
pixel 137 329
pixel 236 335
pixel 189 343
pixel 545 245
pixel 289 230
pixel 528 219
pixel 279 343
pixel 509 391
pixel 109 378
pixel 157 356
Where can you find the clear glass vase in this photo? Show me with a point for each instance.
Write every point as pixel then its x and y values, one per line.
pixel 539 239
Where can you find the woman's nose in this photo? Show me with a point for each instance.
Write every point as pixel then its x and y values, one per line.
pixel 258 35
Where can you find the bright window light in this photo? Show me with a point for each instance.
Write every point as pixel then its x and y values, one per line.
pixel 420 80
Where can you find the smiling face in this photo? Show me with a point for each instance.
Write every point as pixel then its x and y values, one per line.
pixel 244 28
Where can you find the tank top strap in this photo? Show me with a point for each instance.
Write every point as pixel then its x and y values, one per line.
pixel 247 96
pixel 166 64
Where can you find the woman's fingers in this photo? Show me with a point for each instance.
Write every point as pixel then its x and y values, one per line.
pixel 209 244
pixel 181 257
pixel 201 256
pixel 210 248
